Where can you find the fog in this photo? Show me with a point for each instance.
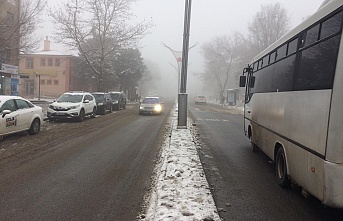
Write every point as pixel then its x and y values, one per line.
pixel 208 19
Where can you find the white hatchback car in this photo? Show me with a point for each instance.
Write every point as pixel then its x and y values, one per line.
pixel 72 105
pixel 19 114
pixel 151 105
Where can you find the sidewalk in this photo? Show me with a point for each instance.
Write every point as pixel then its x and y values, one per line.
pixel 180 191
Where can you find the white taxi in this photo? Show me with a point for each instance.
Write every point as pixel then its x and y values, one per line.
pixel 19 114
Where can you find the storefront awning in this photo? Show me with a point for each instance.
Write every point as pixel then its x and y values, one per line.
pixel 8 75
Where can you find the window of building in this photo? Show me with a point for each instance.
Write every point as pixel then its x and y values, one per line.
pixel 29 63
pixel 50 62
pixel 55 82
pixel 42 62
pixel 49 82
pixel 57 62
pixel 42 81
pixel 8 53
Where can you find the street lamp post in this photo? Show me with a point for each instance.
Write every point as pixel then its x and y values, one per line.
pixel 38 75
pixel 183 96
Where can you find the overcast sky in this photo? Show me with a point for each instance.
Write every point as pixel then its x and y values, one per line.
pixel 208 19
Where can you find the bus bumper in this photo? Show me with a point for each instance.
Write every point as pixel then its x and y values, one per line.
pixel 333 191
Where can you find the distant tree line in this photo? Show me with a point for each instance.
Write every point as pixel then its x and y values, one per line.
pixel 226 56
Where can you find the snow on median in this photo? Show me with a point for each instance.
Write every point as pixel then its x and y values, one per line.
pixel 181 191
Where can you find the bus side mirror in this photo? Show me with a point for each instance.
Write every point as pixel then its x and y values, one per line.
pixel 252 82
pixel 242 80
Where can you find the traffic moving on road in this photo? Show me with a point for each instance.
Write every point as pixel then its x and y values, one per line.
pixel 98 169
pixel 293 105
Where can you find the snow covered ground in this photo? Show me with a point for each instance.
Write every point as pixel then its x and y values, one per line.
pixel 181 191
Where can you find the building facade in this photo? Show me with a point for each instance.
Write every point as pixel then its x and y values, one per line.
pixel 45 74
pixel 9 46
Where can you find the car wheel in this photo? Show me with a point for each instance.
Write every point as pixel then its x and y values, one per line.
pixel 93 113
pixel 82 115
pixel 281 169
pixel 35 127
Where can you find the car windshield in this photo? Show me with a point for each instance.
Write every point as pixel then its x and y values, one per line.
pixel 99 97
pixel 115 96
pixel 72 98
pixel 151 100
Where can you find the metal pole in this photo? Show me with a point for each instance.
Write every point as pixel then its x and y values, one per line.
pixel 183 97
pixel 38 86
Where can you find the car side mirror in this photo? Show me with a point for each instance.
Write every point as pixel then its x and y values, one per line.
pixel 252 82
pixel 86 101
pixel 242 80
pixel 5 112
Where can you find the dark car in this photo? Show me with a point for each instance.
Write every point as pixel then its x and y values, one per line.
pixel 103 102
pixel 118 100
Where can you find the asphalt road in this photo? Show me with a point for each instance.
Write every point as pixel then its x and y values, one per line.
pixel 99 169
pixel 243 182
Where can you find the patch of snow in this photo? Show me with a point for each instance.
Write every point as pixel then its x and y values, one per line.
pixel 181 191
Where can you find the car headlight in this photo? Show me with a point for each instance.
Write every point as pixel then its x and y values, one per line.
pixel 51 106
pixel 141 108
pixel 158 108
pixel 74 107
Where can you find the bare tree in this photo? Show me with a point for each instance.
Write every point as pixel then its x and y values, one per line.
pixel 268 25
pixel 222 59
pixel 17 28
pixel 97 30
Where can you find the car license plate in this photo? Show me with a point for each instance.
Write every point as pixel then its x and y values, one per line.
pixel 58 113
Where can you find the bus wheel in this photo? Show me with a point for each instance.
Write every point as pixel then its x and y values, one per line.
pixel 253 146
pixel 281 169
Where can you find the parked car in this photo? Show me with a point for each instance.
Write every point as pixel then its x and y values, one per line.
pixel 118 100
pixel 151 105
pixel 72 105
pixel 103 102
pixel 19 114
pixel 200 99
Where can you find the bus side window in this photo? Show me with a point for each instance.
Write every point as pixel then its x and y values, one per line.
pixel 272 57
pixel 265 60
pixel 281 52
pixel 255 66
pixel 292 46
pixel 331 26
pixel 311 35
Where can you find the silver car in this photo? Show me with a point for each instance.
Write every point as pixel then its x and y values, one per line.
pixel 151 105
